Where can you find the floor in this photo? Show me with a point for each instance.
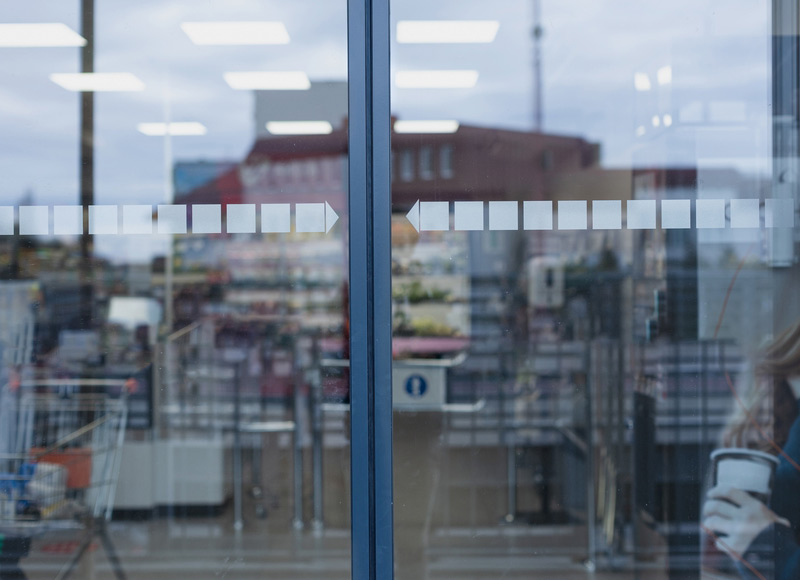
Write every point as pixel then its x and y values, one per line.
pixel 208 548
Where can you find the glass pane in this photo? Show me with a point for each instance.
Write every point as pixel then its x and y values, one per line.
pixel 173 210
pixel 594 257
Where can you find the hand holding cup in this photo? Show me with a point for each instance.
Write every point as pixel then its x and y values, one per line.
pixel 736 518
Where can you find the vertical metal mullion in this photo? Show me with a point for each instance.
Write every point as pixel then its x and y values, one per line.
pixel 785 108
pixel 370 289
pixel 86 167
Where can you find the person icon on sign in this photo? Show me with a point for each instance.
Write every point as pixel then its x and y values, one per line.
pixel 416 386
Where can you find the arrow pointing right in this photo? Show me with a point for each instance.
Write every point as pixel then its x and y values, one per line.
pixel 331 217
pixel 413 216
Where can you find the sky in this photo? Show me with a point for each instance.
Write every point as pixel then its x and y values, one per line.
pixel 718 100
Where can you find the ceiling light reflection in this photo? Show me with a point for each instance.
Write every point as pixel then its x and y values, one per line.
pixel 98 82
pixel 299 127
pixel 664 75
pixel 188 128
pixel 641 81
pixel 236 33
pixel 446 31
pixel 268 81
pixel 436 79
pixel 425 126
pixel 44 34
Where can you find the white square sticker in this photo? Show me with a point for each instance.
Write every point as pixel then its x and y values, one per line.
pixel 276 218
pixel 67 220
pixel 642 214
pixel 710 213
pixel 207 218
pixel 537 215
pixel 779 213
pixel 503 215
pixel 745 213
pixel 171 219
pixel 103 219
pixel 468 215
pixel 434 216
pixel 137 219
pixel 607 215
pixel 6 220
pixel 309 217
pixel 241 218
pixel 572 215
pixel 34 220
pixel 676 214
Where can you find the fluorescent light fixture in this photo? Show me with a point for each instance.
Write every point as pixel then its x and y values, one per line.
pixel 175 129
pixel 425 126
pixel 436 79
pixel 656 120
pixel 268 81
pixel 299 127
pixel 91 82
pixel 664 75
pixel 446 31
pixel 236 33
pixel 39 35
pixel 667 120
pixel 641 81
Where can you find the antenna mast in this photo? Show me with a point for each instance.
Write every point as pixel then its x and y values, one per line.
pixel 537 32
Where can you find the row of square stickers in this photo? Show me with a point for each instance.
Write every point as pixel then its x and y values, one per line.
pixel 42 220
pixel 640 214
pixel 38 220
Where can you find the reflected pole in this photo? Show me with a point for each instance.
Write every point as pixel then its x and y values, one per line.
pixel 169 197
pixel 537 32
pixel 86 168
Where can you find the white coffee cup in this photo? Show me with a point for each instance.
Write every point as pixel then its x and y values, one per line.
pixel 746 469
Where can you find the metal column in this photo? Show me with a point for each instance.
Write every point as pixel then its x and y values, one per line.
pixel 297 452
pixel 238 521
pixel 370 290
pixel 591 483
pixel 318 521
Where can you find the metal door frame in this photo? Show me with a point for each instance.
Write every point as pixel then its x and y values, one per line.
pixel 370 256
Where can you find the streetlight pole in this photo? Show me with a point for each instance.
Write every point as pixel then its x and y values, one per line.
pixel 537 32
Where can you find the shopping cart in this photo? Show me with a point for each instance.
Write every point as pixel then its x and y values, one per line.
pixel 63 467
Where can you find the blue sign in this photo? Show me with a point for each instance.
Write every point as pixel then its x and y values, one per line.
pixel 416 386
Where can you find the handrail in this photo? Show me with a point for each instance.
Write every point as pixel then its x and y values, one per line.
pixel 69 381
pixel 475 407
pixel 422 362
pixel 185 330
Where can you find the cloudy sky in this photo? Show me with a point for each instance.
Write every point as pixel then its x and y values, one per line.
pixel 717 102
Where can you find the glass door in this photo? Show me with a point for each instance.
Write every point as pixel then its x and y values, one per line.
pixel 594 258
pixel 592 302
pixel 173 281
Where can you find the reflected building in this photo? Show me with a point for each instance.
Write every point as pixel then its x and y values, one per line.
pixel 461 295
pixel 573 311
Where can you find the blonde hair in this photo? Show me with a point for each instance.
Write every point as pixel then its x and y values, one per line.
pixel 768 408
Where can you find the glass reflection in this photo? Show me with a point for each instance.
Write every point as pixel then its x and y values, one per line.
pixel 173 243
pixel 588 276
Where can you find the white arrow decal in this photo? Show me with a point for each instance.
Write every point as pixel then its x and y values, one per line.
pixel 413 216
pixel 330 217
pixel 739 213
